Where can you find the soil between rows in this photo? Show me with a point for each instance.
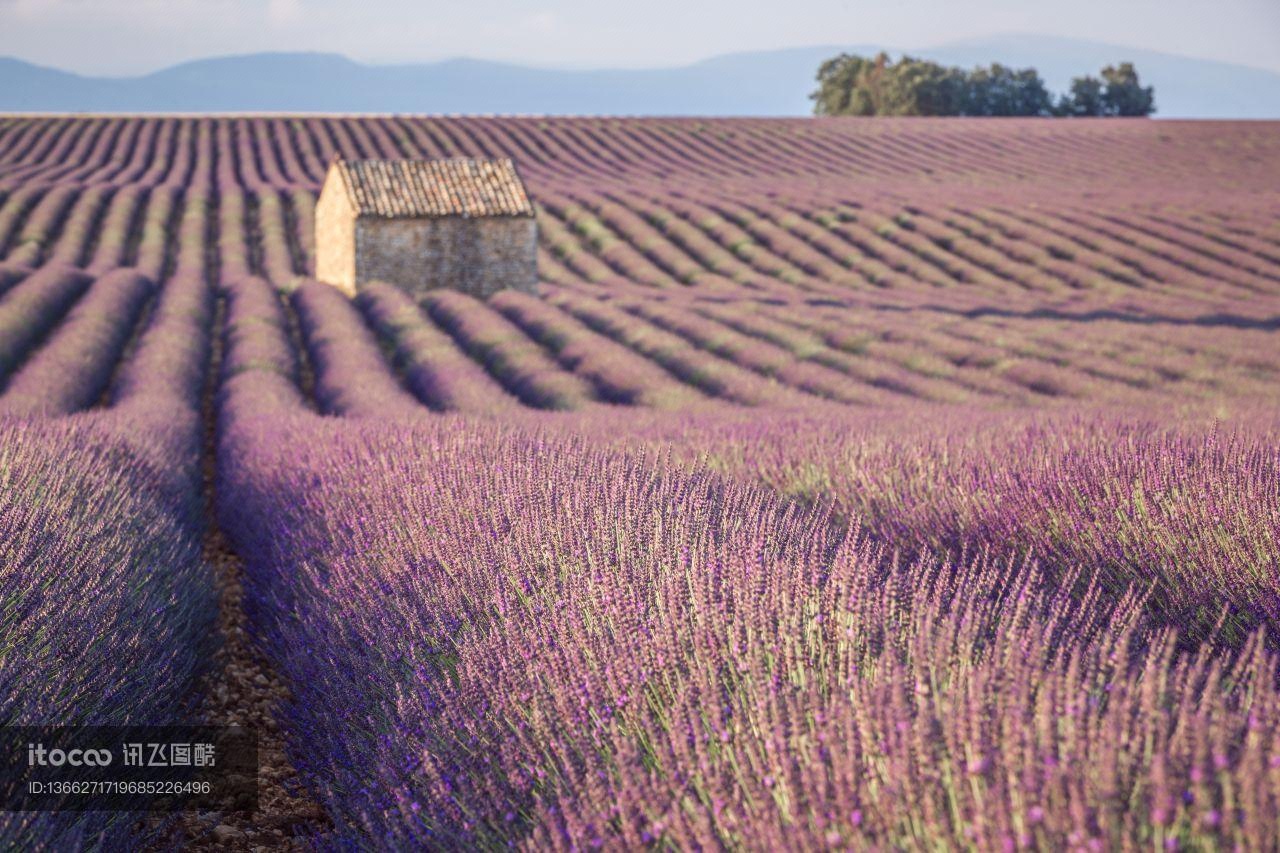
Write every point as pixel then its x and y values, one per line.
pixel 241 689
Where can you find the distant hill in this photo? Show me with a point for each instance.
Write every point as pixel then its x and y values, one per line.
pixel 758 83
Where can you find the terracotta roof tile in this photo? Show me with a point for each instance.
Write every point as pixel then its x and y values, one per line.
pixel 428 188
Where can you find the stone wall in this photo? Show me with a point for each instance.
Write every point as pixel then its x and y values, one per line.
pixel 335 236
pixel 479 255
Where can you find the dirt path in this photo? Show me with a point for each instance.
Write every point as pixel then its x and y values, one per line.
pixel 242 689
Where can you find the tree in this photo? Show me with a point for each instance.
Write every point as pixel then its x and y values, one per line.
pixel 853 85
pixel 1124 95
pixel 840 90
pixel 1118 93
pixel 1002 91
pixel 1084 99
pixel 857 86
pixel 926 88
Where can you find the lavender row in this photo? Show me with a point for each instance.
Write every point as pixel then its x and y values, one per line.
pixel 71 371
pixel 42 223
pixel 32 308
pixel 109 608
pixel 260 369
pixel 435 368
pixel 619 374
pixel 113 608
pixel 352 375
pixel 496 638
pixel 157 395
pixel 706 372
pixel 1190 513
pixel 11 274
pixel 506 352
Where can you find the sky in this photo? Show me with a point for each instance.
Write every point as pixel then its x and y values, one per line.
pixel 124 37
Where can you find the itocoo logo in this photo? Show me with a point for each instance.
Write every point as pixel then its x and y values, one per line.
pixel 37 754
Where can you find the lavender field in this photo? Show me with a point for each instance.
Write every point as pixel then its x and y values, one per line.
pixel 847 484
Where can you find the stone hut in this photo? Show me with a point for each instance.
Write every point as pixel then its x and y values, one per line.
pixel 423 224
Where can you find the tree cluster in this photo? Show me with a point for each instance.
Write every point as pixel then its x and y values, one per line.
pixel 858 86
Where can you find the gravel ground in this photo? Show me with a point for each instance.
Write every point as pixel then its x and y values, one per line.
pixel 242 690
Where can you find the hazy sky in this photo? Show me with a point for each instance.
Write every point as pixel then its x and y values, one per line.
pixel 132 36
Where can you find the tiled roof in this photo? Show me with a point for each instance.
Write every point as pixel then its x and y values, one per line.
pixel 426 188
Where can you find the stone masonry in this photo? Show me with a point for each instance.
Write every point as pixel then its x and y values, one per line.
pixel 478 255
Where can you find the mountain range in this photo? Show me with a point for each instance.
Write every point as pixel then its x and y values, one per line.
pixel 774 82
